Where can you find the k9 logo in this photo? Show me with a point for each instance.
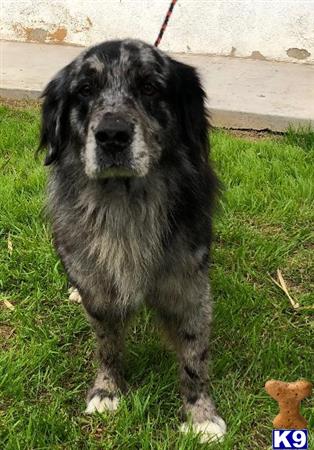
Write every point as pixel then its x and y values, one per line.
pixel 289 439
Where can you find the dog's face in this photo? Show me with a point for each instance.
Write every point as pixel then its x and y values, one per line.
pixel 119 108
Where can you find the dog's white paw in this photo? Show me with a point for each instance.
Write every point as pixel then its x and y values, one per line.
pixel 74 295
pixel 101 404
pixel 210 430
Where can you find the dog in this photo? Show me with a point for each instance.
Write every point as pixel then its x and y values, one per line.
pixel 130 196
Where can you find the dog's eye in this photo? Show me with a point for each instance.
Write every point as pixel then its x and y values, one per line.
pixel 85 90
pixel 149 89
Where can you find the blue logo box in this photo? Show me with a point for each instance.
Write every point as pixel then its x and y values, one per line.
pixel 292 439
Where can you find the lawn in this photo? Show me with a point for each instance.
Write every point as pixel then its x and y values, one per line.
pixel 265 222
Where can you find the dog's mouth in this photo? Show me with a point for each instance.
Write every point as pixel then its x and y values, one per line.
pixel 114 172
pixel 101 165
pixel 113 164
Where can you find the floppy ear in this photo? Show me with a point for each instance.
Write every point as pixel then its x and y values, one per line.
pixel 193 119
pixel 53 110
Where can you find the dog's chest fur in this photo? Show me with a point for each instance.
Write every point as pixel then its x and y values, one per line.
pixel 120 232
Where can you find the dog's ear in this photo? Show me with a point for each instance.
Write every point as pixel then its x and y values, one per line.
pixel 193 118
pixel 53 109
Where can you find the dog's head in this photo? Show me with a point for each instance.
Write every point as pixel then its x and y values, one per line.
pixel 122 108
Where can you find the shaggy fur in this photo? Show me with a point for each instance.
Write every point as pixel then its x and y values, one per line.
pixel 130 197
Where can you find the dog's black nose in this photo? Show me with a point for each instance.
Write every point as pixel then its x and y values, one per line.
pixel 114 132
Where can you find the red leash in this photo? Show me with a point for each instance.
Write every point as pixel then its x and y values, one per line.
pixel 165 23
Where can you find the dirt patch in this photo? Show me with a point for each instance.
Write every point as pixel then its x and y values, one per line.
pixel 6 333
pixel 35 34
pixel 267 228
pixel 298 53
pixel 299 270
pixel 254 135
pixel 58 35
pixel 257 55
pixel 41 35
pixel 21 104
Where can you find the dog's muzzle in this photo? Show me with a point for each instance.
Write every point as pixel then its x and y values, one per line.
pixel 113 137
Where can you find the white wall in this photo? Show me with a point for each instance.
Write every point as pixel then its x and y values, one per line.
pixel 272 29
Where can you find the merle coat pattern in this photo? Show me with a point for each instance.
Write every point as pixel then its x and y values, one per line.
pixel 130 198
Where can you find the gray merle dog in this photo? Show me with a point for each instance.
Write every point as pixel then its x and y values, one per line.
pixel 130 197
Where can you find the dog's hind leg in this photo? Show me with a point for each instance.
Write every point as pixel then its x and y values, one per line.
pixel 109 383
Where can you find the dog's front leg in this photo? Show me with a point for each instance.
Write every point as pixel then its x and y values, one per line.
pixel 184 308
pixel 193 351
pixel 109 382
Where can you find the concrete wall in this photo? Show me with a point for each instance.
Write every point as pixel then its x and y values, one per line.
pixel 273 29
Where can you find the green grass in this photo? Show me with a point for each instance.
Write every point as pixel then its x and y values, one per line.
pixel 302 136
pixel 264 223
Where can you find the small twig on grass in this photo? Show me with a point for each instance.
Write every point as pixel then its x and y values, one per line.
pixel 8 305
pixel 10 244
pixel 283 286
